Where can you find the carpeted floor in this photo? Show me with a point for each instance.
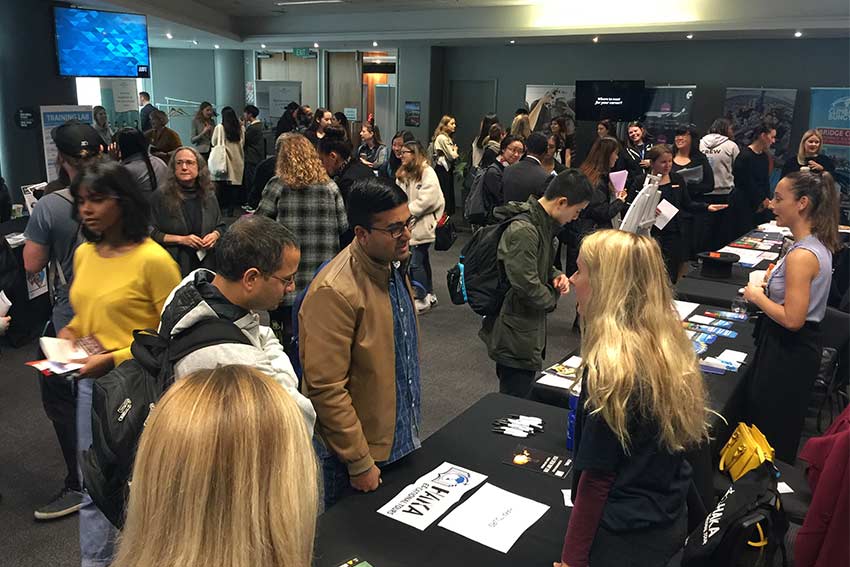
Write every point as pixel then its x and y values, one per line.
pixel 456 372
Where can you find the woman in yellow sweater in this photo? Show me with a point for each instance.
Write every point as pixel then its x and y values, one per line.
pixel 121 281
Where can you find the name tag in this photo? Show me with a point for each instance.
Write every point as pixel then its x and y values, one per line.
pixel 675 186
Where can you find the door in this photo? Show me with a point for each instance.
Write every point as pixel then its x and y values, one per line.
pixel 345 84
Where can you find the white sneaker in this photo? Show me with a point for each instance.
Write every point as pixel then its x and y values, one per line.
pixel 432 299
pixel 422 305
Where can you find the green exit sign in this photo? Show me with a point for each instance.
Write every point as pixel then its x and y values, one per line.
pixel 302 52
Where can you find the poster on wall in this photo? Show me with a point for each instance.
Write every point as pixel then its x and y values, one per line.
pixel 557 100
pixel 51 117
pixel 250 93
pixel 667 107
pixel 412 113
pixel 124 95
pixel 280 96
pixel 746 108
pixel 830 115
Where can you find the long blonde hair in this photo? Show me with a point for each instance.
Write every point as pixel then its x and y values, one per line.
pixel 521 127
pixel 801 151
pixel 638 359
pixel 298 163
pixel 413 171
pixel 225 475
pixel 443 127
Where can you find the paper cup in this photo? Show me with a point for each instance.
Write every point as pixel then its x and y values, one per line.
pixel 757 277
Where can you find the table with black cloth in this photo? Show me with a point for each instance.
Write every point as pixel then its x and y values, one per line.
pixel 28 315
pixel 353 528
pixel 726 395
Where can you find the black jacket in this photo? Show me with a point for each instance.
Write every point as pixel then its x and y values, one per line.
pixel 524 179
pixel 254 151
pixel 697 190
pixel 491 188
pixel 167 220
pixel 145 117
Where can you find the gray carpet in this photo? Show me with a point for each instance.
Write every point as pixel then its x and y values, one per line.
pixel 456 372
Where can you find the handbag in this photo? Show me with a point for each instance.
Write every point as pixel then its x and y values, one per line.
pixel 445 234
pixel 746 449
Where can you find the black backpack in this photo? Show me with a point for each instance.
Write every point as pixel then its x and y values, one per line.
pixel 746 528
pixel 475 207
pixel 123 398
pixel 479 277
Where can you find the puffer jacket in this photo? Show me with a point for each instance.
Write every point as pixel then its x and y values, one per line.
pixel 517 336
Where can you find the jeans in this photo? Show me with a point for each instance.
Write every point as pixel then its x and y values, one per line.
pixel 97 534
pixel 514 381
pixel 420 270
pixel 335 480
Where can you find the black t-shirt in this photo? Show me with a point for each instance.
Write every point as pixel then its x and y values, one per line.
pixel 651 485
pixel 752 178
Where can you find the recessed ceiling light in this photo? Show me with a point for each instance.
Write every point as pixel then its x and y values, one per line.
pixel 303 2
pixel 262 46
pixel 596 39
pixel 169 36
pixel 374 44
pixel 513 41
pixel 316 45
pixel 690 36
pixel 194 42
pixel 217 46
pixel 798 34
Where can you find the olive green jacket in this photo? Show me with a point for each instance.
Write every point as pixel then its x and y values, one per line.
pixel 517 336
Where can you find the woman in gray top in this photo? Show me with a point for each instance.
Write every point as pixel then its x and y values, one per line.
pixel 793 299
pixel 202 129
pixel 186 217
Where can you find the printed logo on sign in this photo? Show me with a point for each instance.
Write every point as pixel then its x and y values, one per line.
pixel 840 109
pixel 452 477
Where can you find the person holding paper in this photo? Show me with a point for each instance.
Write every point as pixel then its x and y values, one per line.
pixel 185 213
pixel 642 405
pixel 675 192
pixel 121 281
pixel 793 298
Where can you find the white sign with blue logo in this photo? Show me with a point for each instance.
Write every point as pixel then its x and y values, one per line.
pixel 420 504
pixel 51 117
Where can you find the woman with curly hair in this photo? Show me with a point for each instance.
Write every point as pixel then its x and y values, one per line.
pixel 306 201
pixel 642 405
pixel 186 217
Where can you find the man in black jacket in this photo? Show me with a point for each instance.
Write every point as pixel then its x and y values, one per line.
pixel 254 147
pixel 145 112
pixel 527 177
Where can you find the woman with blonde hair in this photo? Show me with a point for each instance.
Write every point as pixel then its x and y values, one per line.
pixel 186 216
pixel 808 155
pixel 225 475
pixel 444 154
pixel 642 404
pixel 427 204
pixel 306 201
pixel 521 127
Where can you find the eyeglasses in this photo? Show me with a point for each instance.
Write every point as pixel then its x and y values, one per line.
pixel 397 230
pixel 186 162
pixel 285 281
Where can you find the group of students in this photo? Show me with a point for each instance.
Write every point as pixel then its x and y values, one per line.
pixel 643 399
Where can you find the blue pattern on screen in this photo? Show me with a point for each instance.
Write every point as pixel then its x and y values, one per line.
pixel 100 44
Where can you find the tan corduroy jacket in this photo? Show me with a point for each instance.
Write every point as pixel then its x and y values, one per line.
pixel 347 352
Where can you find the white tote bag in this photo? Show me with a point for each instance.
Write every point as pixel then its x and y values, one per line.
pixel 218 155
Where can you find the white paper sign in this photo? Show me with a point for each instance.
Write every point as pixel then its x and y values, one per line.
pixel 568 497
pixel 494 517
pixel 421 503
pixel 701 319
pixel 557 381
pixel 124 95
pixel 666 212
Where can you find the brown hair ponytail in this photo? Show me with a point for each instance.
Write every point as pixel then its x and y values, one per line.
pixel 823 210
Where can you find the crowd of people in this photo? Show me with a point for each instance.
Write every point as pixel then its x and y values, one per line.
pixel 325 277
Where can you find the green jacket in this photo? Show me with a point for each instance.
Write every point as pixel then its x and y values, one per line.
pixel 517 336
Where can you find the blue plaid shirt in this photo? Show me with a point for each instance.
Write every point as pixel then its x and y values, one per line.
pixel 407 390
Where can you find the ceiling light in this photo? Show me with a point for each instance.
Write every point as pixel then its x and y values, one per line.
pixel 798 34
pixel 217 46
pixel 194 42
pixel 262 46
pixel 690 36
pixel 374 44
pixel 169 36
pixel 316 45
pixel 304 2
pixel 596 39
pixel 513 41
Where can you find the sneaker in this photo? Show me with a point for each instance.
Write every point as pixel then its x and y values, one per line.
pixel 66 503
pixel 432 299
pixel 422 305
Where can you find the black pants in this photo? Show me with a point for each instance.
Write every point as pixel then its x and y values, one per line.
pixel 229 196
pixel 514 381
pixel 650 547
pixel 58 396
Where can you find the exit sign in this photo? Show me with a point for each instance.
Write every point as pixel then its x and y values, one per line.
pixel 302 52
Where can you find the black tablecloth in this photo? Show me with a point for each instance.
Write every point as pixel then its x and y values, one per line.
pixel 28 315
pixel 353 528
pixel 713 292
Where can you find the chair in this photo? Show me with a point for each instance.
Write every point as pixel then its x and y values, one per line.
pixel 835 363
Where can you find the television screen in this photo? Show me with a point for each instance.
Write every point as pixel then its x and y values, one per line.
pixel 91 43
pixel 614 100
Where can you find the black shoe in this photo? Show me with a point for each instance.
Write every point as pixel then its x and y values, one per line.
pixel 66 503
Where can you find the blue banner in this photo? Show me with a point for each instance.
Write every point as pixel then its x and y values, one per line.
pixel 830 115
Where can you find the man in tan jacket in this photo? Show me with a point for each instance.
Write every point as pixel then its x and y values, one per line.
pixel 359 345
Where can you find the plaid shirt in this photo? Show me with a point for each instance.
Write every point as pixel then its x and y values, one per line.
pixel 316 215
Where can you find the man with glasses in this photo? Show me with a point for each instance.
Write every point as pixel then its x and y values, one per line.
pixel 257 259
pixel 359 346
